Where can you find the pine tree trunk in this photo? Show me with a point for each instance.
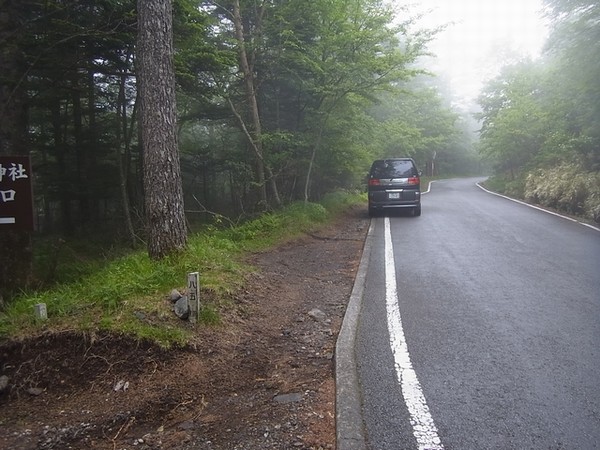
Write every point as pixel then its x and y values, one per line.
pixel 163 191
pixel 122 153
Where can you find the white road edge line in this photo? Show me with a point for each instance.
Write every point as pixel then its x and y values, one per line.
pixel 428 187
pixel 424 428
pixel 537 207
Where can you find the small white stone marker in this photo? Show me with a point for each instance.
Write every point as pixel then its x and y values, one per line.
pixel 40 311
pixel 193 290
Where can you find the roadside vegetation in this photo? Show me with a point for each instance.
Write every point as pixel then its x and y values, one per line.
pixel 126 292
pixel 541 119
pixel 275 103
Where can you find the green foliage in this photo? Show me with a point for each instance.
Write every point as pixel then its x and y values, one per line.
pixel 295 218
pixel 332 83
pixel 515 122
pixel 59 261
pixel 541 119
pixel 74 54
pixel 306 214
pixel 200 58
pixel 319 68
pixel 513 187
pixel 128 294
pixel 339 201
pixel 566 188
pixel 415 122
pixel 210 316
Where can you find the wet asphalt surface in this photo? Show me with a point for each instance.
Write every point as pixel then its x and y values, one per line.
pixel 500 306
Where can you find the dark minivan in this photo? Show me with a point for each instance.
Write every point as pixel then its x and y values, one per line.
pixel 394 183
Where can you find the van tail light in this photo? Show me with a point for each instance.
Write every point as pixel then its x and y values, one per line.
pixel 413 180
pixel 374 182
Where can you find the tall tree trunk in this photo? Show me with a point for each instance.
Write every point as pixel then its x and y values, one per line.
pixel 122 154
pixel 255 134
pixel 163 190
pixel 310 166
pixel 313 154
pixel 273 186
pixel 16 253
pixel 65 192
pixel 81 153
pixel 92 138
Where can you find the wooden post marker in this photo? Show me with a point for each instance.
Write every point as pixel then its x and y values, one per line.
pixel 193 288
pixel 40 311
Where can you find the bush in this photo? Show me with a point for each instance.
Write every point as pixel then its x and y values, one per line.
pixel 338 201
pixel 567 188
pixel 513 187
pixel 127 294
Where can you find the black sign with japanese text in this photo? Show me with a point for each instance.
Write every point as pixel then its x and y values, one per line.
pixel 16 197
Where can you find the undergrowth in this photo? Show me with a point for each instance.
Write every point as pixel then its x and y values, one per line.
pixel 127 292
pixel 566 188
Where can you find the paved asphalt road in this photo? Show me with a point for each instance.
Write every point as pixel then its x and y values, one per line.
pixel 497 340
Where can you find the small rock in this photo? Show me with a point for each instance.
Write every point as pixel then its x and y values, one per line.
pixel 3 383
pixel 288 398
pixel 35 391
pixel 175 295
pixel 317 314
pixel 121 385
pixel 182 308
pixel 187 425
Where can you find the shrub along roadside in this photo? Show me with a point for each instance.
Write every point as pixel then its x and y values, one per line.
pixel 566 188
pixel 129 295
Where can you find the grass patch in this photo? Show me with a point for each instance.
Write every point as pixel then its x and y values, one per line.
pixel 339 201
pixel 127 294
pixel 513 187
pixel 210 315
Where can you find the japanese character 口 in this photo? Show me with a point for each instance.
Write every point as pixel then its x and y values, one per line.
pixel 7 196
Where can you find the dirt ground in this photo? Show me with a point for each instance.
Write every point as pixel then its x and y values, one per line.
pixel 263 380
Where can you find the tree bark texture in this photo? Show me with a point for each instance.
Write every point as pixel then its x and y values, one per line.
pixel 16 252
pixel 123 155
pixel 247 71
pixel 163 191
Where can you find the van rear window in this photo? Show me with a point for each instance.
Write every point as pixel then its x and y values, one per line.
pixel 392 169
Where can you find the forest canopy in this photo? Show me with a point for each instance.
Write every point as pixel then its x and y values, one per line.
pixel 277 101
pixel 541 119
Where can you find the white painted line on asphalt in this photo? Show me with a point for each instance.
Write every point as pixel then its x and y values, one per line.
pixel 538 208
pixel 428 187
pixel 424 428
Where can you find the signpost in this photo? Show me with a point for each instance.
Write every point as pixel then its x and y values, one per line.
pixel 193 291
pixel 16 193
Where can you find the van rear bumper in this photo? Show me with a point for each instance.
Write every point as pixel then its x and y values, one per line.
pixel 394 198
